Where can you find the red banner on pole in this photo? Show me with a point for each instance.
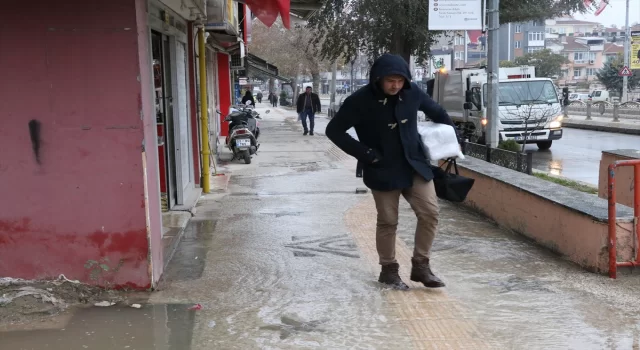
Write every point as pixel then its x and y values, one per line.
pixel 267 11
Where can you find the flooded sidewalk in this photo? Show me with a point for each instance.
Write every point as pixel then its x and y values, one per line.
pixel 285 258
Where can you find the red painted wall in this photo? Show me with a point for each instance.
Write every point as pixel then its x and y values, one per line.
pixel 150 154
pixel 76 69
pixel 224 89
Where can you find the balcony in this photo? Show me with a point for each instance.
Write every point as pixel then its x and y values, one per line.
pixel 583 63
pixel 536 43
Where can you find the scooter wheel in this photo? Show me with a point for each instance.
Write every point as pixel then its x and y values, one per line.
pixel 247 157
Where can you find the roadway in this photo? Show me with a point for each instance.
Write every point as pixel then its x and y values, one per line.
pixel 576 156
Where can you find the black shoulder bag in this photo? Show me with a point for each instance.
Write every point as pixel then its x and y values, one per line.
pixel 450 185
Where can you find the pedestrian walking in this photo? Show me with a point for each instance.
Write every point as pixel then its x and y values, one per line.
pixel 259 96
pixel 248 96
pixel 273 99
pixel 307 106
pixel 392 161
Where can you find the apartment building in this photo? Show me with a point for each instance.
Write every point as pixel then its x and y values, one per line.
pixel 586 56
pixel 569 26
pixel 518 39
pixel 614 34
pixel 455 42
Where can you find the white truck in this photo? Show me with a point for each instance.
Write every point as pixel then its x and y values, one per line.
pixel 529 109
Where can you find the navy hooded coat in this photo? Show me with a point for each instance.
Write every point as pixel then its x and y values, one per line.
pixel 387 128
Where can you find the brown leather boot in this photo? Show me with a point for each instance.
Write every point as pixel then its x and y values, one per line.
pixel 390 276
pixel 421 272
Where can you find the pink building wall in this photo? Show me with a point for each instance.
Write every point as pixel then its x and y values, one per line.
pixel 81 71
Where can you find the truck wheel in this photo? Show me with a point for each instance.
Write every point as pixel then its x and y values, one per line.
pixel 544 145
pixel 247 157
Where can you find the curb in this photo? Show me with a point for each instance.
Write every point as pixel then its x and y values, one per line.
pixel 586 184
pixel 598 126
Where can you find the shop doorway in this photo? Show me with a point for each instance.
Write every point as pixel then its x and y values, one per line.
pixel 164 96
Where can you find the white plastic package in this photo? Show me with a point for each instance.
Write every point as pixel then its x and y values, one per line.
pixel 440 141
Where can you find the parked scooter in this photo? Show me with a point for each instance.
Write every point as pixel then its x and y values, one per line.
pixel 244 131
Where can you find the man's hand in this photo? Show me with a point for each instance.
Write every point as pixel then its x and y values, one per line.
pixel 373 156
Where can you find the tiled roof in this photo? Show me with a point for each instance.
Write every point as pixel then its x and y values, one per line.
pixel 574 21
pixel 570 44
pixel 611 48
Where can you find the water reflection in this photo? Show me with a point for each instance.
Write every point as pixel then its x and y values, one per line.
pixel 555 167
pixel 157 327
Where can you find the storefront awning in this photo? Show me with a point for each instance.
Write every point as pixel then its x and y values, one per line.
pixel 260 67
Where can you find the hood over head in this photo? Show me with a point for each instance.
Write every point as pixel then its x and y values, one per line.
pixel 389 64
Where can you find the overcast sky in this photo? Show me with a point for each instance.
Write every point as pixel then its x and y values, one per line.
pixel 614 13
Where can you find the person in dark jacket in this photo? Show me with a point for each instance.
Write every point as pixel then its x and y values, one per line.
pixel 259 97
pixel 308 105
pixel 392 161
pixel 248 97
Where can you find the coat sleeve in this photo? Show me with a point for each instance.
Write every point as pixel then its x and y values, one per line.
pixel 346 118
pixel 318 104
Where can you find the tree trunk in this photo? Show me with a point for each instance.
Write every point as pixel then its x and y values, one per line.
pixel 272 85
pixel 401 46
pixel 296 89
pixel 315 76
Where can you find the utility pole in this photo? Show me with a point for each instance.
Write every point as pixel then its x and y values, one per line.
pixel 627 39
pixel 466 43
pixel 332 88
pixel 351 87
pixel 493 72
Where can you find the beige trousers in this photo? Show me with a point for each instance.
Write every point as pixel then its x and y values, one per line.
pixel 424 202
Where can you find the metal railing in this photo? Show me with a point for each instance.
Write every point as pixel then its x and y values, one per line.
pixel 522 162
pixel 613 259
pixel 615 110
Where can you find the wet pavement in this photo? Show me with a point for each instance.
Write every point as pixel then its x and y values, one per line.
pixel 159 327
pixel 285 259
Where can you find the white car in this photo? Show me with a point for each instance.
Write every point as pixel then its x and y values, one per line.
pixel 578 97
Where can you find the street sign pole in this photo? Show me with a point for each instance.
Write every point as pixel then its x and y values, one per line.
pixel 627 39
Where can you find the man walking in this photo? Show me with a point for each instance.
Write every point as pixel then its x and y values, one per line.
pixel 307 106
pixel 390 154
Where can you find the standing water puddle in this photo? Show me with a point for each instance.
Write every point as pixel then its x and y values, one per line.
pixel 156 327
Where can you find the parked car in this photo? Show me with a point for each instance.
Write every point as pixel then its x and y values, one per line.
pixel 575 96
pixel 602 95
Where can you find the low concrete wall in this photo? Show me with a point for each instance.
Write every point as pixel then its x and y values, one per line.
pixel 564 220
pixel 624 175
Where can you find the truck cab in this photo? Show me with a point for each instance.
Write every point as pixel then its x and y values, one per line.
pixel 528 108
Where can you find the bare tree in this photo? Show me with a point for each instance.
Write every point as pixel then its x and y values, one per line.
pixel 292 51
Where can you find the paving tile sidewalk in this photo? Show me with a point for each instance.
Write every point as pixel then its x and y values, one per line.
pixel 285 259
